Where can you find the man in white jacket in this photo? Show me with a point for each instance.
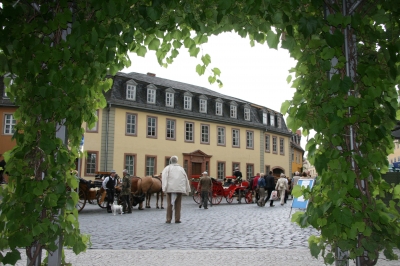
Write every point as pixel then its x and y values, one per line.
pixel 174 183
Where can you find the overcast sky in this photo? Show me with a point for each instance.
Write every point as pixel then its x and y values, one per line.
pixel 254 74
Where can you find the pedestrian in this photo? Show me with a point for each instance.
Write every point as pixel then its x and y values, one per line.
pixel 205 187
pixel 174 183
pixel 288 190
pixel 255 187
pixel 261 191
pixel 270 186
pixel 238 176
pixel 126 192
pixel 296 178
pixel 281 187
pixel 109 185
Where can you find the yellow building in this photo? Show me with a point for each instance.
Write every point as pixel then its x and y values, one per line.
pixel 297 152
pixel 149 119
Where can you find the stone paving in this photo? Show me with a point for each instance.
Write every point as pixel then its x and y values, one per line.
pixel 225 234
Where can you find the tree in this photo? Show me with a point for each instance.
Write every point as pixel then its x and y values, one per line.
pixel 63 53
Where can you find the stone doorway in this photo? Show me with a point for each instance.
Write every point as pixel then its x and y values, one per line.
pixel 195 163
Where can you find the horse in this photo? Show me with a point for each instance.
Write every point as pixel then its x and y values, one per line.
pixel 150 185
pixel 137 196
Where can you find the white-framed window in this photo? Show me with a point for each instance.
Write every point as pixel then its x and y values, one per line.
pixel 267 143
pixel 169 99
pixel 151 95
pixel 9 124
pixel 235 138
pixel 205 134
pixel 265 118
pixel 95 127
pixel 150 165
pixel 281 146
pixel 131 90
pixel 187 102
pixel 247 114
pixel 249 139
pixel 274 145
pixel 218 108
pixel 279 121
pixel 151 127
pixel 249 170
pixel 189 132
pixel 130 163
pixel 203 106
pixel 171 129
pixel 272 120
pixel 221 136
pixel 233 111
pixel 91 162
pixel 221 170
pixel 131 122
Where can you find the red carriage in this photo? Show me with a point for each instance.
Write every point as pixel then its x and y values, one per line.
pixel 230 189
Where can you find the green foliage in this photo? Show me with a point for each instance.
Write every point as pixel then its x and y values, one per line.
pixel 62 80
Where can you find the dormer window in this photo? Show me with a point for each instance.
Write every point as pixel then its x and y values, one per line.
pixel 169 97
pixel 131 90
pixel 247 113
pixel 151 94
pixel 218 107
pixel 279 122
pixel 265 120
pixel 233 110
pixel 272 120
pixel 203 104
pixel 187 101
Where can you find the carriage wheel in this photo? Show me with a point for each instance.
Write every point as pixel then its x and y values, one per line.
pixel 82 200
pixel 229 199
pixel 248 197
pixel 217 195
pixel 104 203
pixel 196 196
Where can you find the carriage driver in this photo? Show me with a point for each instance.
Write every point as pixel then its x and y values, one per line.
pixel 109 184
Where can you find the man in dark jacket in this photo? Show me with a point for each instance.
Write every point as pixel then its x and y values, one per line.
pixel 270 186
pixel 238 176
pixel 109 184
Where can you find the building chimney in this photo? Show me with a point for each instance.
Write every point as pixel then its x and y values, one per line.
pixel 151 74
pixel 298 132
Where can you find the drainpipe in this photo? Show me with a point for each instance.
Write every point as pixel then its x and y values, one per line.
pixel 107 125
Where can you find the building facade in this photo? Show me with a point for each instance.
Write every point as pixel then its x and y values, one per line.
pixel 297 152
pixel 148 119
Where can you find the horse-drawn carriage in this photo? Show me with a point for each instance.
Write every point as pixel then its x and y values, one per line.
pixel 231 188
pixel 89 191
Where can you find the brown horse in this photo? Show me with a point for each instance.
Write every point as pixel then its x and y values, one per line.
pixel 150 185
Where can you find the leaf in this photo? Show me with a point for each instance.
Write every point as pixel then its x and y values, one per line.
pixel 328 53
pixel 285 106
pixel 154 44
pixel 11 257
pixel 141 51
pixel 272 39
pixel 216 71
pixel 94 37
pixel 206 59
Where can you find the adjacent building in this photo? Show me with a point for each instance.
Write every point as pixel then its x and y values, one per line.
pixel 297 152
pixel 7 121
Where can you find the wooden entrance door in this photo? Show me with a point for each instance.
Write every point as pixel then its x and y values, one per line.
pixel 196 169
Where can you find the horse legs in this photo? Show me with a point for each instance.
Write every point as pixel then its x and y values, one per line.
pixel 158 194
pixel 148 196
pixel 162 199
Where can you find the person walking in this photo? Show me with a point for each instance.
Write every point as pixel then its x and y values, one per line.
pixel 281 187
pixel 109 185
pixel 261 191
pixel 238 176
pixel 270 186
pixel 205 188
pixel 126 192
pixel 174 183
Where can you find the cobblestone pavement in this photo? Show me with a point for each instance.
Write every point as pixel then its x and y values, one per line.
pixel 225 234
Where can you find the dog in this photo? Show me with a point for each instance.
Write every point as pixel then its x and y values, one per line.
pixel 115 208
